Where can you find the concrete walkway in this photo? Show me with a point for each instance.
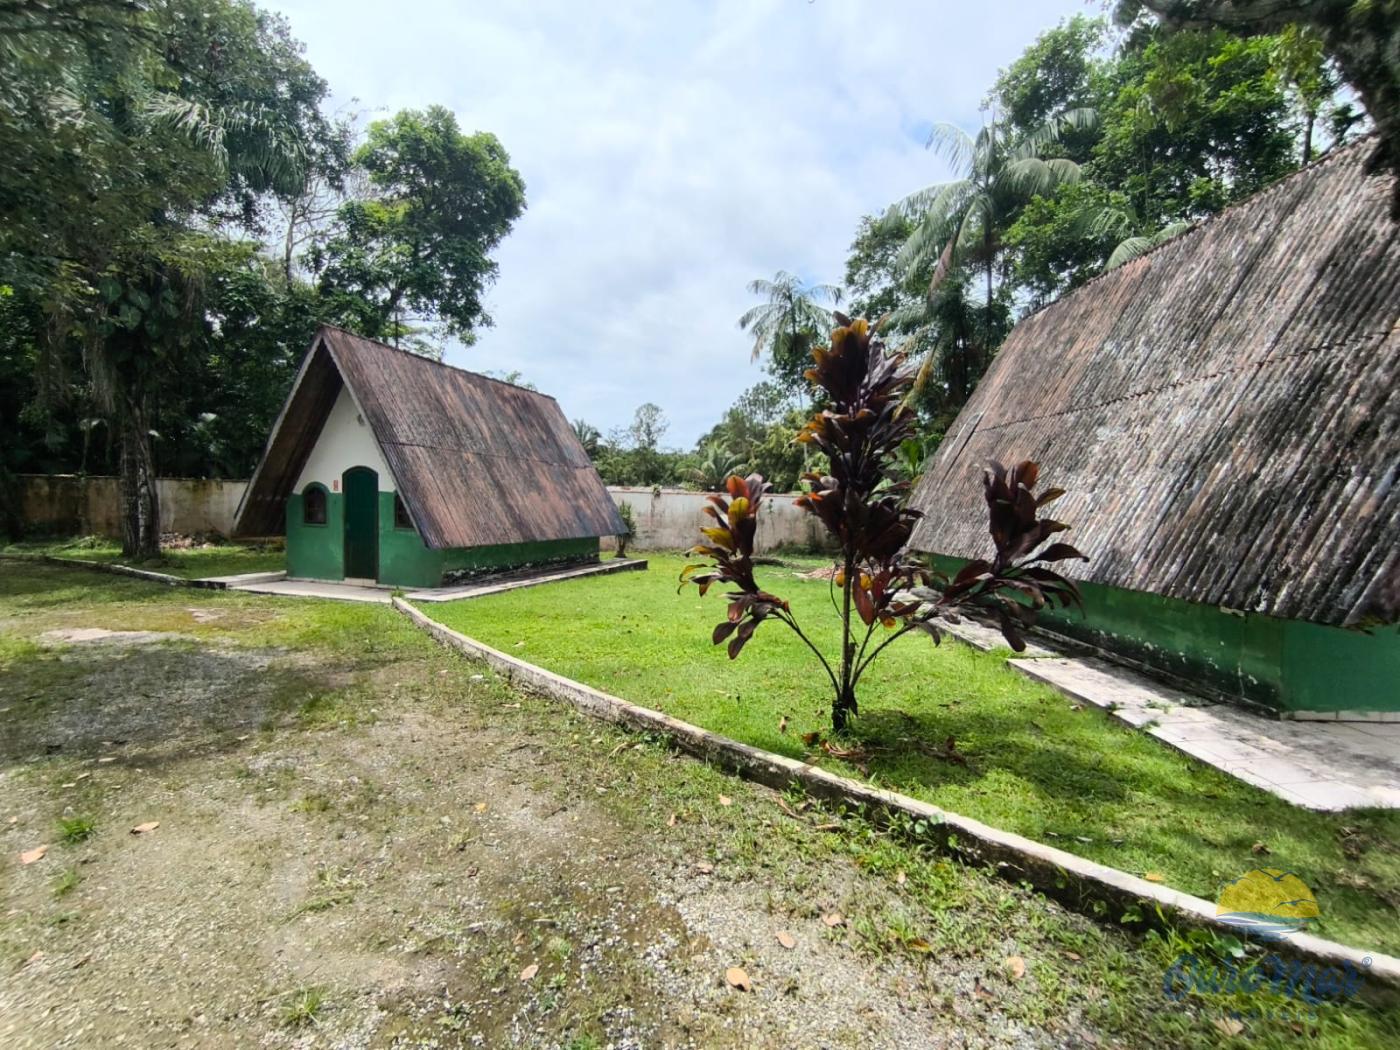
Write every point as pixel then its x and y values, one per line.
pixel 1317 765
pixel 276 584
pixel 339 592
pixel 500 584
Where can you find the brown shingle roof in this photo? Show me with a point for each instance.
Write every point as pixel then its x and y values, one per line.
pixel 477 461
pixel 1224 411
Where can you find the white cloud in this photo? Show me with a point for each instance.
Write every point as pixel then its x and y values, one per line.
pixel 672 153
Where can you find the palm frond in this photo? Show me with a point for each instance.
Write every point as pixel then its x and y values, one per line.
pixel 953 144
pixel 938 222
pixel 1134 247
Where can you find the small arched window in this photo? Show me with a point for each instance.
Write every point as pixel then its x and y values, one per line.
pixel 313 505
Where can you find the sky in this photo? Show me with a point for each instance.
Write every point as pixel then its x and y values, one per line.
pixel 672 152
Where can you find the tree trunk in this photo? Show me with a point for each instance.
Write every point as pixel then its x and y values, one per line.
pixel 844 703
pixel 140 501
pixel 1308 137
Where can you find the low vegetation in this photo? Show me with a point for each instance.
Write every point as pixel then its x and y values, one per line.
pixel 958 728
pixel 191 562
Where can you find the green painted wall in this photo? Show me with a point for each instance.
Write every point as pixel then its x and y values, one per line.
pixel 1286 665
pixel 317 552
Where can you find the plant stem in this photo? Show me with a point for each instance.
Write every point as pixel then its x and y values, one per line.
pixel 787 618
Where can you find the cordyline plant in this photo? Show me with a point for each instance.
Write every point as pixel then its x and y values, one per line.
pixel 885 591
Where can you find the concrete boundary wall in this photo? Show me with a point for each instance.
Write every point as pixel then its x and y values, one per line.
pixel 1052 871
pixel 667 519
pixel 79 505
pixel 670 519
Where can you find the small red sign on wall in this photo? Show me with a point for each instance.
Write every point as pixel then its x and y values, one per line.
pixel 335 485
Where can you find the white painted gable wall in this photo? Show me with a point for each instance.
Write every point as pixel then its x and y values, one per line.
pixel 346 441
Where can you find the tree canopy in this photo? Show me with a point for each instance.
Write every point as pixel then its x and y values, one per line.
pixel 163 162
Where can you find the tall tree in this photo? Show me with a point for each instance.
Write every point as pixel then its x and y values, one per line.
pixel 964 221
pixel 1190 122
pixel 131 131
pixel 419 245
pixel 786 324
pixel 1361 36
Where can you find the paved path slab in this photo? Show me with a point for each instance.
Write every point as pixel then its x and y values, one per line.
pixel 341 592
pixel 277 584
pixel 980 636
pixel 1318 765
pixel 245 577
pixel 500 584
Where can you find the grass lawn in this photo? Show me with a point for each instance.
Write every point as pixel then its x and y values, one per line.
pixel 191 563
pixel 1036 763
pixel 364 839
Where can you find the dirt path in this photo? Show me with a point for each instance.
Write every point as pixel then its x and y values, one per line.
pixel 371 843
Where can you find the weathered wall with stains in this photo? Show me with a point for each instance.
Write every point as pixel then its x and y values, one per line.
pixel 666 520
pixel 670 519
pixel 68 504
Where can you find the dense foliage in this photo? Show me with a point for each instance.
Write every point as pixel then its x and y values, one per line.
pixel 180 214
pixel 863 505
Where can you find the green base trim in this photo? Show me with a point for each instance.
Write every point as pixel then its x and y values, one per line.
pixel 317 552
pixel 1282 665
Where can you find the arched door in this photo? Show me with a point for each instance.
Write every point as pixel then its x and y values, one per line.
pixel 361 486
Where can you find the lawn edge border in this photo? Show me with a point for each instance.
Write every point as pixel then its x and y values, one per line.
pixel 118 569
pixel 1053 871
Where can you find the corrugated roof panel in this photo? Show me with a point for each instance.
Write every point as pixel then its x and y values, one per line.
pixel 1224 411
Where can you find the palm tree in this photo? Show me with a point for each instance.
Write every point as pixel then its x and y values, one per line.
pixel 963 221
pixel 789 321
pixel 716 464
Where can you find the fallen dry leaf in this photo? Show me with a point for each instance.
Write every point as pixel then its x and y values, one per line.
pixel 705 869
pixel 737 978
pixel 782 724
pixel 142 829
pixel 811 739
pixel 1260 849
pixel 83 961
pixel 1228 1026
pixel 834 919
pixel 529 971
pixel 29 856
pixel 900 878
pixel 918 944
pixel 786 939
pixel 1074 957
pixel 1016 967
pixel 480 807
pixel 33 958
pixel 1155 876
pixel 725 800
pixel 671 820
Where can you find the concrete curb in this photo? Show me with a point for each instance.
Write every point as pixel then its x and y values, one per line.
pixel 1054 872
pixel 119 570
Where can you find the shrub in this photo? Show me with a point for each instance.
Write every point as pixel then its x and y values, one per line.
pixel 864 507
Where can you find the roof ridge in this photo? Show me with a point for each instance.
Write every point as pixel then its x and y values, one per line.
pixel 435 361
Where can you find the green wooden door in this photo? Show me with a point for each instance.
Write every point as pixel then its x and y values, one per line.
pixel 361 523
